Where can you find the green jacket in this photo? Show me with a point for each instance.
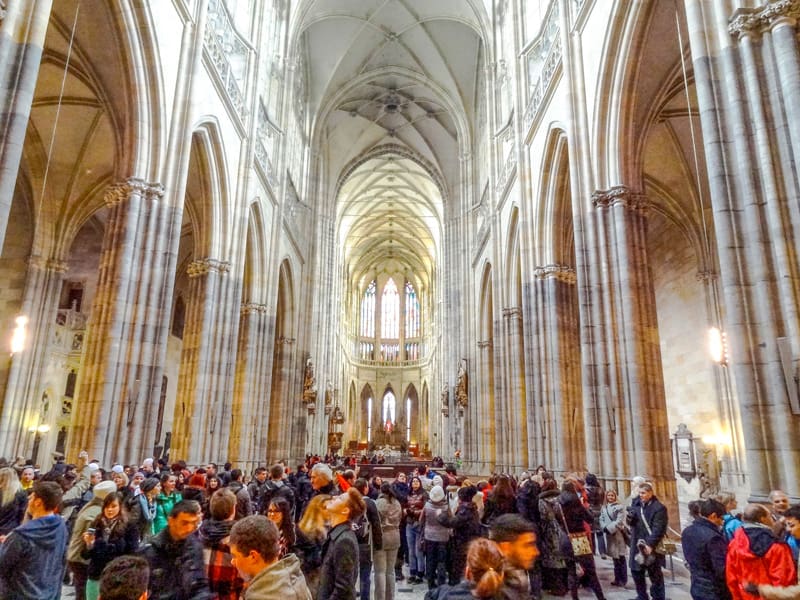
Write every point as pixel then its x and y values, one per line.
pixel 164 506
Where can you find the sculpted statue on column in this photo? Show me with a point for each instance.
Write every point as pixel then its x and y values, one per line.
pixel 461 385
pixel 309 383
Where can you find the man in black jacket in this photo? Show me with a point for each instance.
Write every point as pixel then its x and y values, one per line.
pixel 178 546
pixel 704 548
pixel 369 535
pixel 648 520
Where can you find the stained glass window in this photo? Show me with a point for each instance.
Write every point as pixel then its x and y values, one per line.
pixel 390 311
pixel 412 311
pixel 368 311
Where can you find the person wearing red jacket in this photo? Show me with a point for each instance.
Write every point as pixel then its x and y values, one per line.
pixel 755 555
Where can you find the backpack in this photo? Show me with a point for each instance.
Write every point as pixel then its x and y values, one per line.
pixel 271 490
pixel 362 529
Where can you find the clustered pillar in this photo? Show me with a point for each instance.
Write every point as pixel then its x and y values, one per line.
pixel 747 69
pixel 120 380
pixel 624 404
pixel 555 421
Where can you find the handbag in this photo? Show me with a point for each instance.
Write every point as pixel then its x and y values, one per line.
pixel 664 546
pixel 579 543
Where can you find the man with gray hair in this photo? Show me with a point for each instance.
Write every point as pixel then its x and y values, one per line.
pixel 322 481
pixel 756 555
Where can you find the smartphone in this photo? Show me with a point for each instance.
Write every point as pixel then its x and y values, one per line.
pixel 90 531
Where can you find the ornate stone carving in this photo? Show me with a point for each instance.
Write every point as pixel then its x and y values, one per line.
pixel 562 273
pixel 207 265
pixel 445 399
pixel 706 276
pixel 754 21
pixel 228 53
pixel 512 312
pixel 620 195
pixel 253 308
pixel 543 58
pixel 133 185
pixel 484 344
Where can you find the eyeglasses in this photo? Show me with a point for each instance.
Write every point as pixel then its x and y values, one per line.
pixel 273 511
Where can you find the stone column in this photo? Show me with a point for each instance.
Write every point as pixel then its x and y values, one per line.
pixel 114 417
pixel 248 437
pixel 284 407
pixel 746 67
pixel 625 415
pixel 23 26
pixel 555 411
pixel 25 385
pixel 516 418
pixel 205 383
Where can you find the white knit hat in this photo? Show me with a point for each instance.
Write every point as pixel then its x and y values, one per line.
pixel 437 493
pixel 103 489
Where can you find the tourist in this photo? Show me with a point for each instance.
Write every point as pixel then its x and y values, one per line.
pixel 312 531
pixel 436 537
pixel 168 498
pixel 577 519
pixel 339 570
pixel 391 513
pixel 704 548
pixel 648 520
pixel 484 574
pixel 417 497
pixel 214 534
pixel 280 513
pixel 13 501
pixel 617 536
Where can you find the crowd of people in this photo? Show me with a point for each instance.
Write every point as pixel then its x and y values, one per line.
pixel 170 532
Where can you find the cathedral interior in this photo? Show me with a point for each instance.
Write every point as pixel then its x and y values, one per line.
pixel 559 232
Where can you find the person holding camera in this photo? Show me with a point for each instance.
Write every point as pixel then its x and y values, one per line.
pixel 648 520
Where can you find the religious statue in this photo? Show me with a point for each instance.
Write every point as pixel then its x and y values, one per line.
pixel 309 388
pixel 461 385
pixel 445 400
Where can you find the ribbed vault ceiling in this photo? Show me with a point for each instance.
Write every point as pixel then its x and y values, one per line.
pixel 399 73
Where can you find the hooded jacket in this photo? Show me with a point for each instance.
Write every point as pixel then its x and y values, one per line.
pixel 32 560
pixel 434 530
pixel 282 579
pixel 223 577
pixel 85 518
pixel 704 548
pixel 177 571
pixel 755 555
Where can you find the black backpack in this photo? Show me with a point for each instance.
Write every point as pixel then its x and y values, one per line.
pixel 361 527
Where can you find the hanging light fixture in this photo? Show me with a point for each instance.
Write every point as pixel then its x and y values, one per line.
pixel 18 337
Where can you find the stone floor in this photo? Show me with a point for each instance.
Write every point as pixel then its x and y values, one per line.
pixel 677 586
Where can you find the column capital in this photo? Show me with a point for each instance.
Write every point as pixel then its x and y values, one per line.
pixel 562 273
pixel 620 195
pixel 754 21
pixel 250 308
pixel 36 261
pixel 206 265
pixel 117 192
pixel 706 276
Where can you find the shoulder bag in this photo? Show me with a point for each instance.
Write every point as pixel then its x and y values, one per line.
pixel 579 542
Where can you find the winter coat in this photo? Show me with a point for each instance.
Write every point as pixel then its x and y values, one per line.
pixel 656 515
pixel 223 577
pixel 164 505
pixel 434 530
pixel 391 514
pixel 177 571
pixel 339 571
pixel 730 523
pixel 550 531
pixel 243 506
pixel 704 548
pixel 498 506
pixel 12 514
pixel 416 503
pixel 464 522
pixel 31 560
pixel 756 556
pixel 139 512
pixel 85 518
pixel 282 579
pixel 612 523
pixel 575 514
pixel 123 539
pixel 528 500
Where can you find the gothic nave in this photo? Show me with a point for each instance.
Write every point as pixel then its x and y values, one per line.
pixel 559 232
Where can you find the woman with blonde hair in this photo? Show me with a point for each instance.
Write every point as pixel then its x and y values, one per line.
pixel 13 501
pixel 484 575
pixel 310 534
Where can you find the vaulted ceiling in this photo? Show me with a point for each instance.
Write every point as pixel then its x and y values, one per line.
pixel 386 75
